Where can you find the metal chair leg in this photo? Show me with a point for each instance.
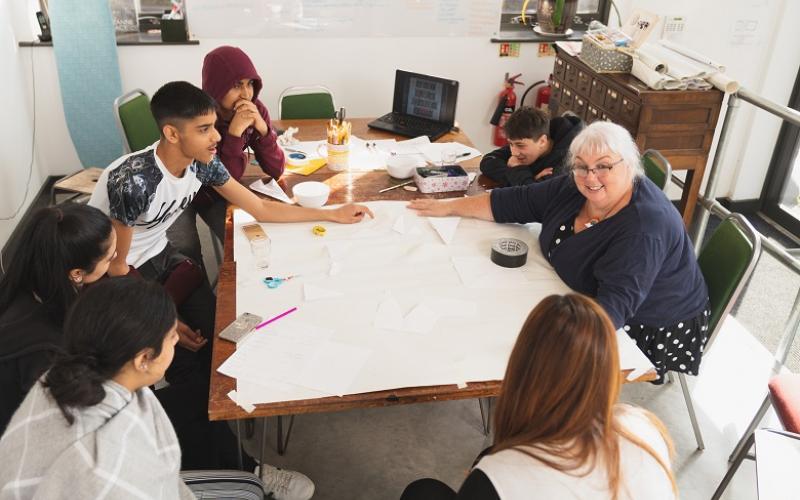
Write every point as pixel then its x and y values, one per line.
pixel 217 245
pixel 737 461
pixel 486 416
pixel 249 428
pixel 239 445
pixel 283 443
pixel 690 406
pixel 748 433
pixel 263 445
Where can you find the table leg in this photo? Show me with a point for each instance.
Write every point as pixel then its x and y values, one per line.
pixel 263 445
pixel 238 445
pixel 283 442
pixel 689 197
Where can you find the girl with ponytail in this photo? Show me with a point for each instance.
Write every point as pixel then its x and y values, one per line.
pixel 58 251
pixel 91 427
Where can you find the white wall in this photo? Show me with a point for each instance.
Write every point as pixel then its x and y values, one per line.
pixel 766 64
pixel 362 78
pixel 16 128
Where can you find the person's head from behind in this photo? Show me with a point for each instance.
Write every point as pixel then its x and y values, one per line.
pixel 563 377
pixel 185 115
pixel 561 387
pixel 59 249
pixel 527 131
pixel 121 329
pixel 229 76
pixel 604 161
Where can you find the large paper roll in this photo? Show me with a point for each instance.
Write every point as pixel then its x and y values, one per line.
pixel 654 79
pixel 725 84
pixel 691 54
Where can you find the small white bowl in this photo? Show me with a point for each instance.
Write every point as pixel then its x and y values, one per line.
pixel 311 194
pixel 401 166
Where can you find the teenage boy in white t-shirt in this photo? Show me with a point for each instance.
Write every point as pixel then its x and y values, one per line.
pixel 144 192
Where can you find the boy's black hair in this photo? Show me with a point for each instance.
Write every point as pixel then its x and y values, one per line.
pixel 527 123
pixel 180 101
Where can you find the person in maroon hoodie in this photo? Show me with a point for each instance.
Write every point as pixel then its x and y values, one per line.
pixel 242 121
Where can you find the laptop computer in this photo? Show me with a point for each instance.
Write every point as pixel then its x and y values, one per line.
pixel 423 105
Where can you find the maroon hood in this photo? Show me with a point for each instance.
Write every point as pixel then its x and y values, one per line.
pixel 223 67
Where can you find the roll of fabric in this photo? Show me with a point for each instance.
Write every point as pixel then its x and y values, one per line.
pixel 653 79
pixel 691 54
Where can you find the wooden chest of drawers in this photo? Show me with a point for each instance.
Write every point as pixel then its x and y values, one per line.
pixel 678 123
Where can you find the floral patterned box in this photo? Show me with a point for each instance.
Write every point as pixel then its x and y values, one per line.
pixel 441 179
pixel 604 57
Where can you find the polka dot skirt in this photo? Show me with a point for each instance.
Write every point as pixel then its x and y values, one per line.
pixel 677 347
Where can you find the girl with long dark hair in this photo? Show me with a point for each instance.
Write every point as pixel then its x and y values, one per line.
pixel 59 250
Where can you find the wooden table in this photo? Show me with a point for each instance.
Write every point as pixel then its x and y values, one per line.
pixel 345 187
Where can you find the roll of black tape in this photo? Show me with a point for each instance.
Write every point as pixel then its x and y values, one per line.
pixel 509 252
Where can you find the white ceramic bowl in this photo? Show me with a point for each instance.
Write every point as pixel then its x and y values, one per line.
pixel 401 166
pixel 311 194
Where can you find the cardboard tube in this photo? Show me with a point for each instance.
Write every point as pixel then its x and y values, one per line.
pixel 725 84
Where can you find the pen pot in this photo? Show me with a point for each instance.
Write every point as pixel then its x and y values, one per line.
pixel 338 155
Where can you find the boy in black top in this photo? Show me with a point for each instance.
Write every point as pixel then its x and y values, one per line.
pixel 537 147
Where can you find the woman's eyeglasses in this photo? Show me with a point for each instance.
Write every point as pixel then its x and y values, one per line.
pixel 600 170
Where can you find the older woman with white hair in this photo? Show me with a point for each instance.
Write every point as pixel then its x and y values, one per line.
pixel 611 234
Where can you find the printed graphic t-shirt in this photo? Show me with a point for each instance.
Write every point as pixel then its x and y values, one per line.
pixel 139 191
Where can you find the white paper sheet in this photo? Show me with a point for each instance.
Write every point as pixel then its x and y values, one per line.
pixel 333 368
pixel 271 189
pixel 480 272
pixel 413 146
pixel 415 268
pixel 631 357
pixel 389 314
pixel 400 224
pixel 271 391
pixel 445 226
pixel 314 292
pixel 243 404
pixel 436 152
pixel 421 319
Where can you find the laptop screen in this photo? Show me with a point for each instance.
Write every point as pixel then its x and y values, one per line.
pixel 425 96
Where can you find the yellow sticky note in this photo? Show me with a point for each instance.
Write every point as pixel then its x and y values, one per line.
pixel 312 166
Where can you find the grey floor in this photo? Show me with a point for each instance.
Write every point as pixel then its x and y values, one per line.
pixel 375 453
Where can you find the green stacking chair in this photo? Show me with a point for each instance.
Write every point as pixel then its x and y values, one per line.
pixel 135 121
pixel 727 261
pixel 657 168
pixel 306 103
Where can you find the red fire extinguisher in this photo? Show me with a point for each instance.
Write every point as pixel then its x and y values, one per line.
pixel 505 106
pixel 542 95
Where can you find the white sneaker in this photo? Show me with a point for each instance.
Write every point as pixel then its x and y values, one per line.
pixel 286 484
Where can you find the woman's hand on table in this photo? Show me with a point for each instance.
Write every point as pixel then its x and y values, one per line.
pixel 431 208
pixel 349 214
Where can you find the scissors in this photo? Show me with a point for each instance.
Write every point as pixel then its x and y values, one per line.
pixel 275 282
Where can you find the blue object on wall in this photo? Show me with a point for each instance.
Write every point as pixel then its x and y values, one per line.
pixel 85 48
